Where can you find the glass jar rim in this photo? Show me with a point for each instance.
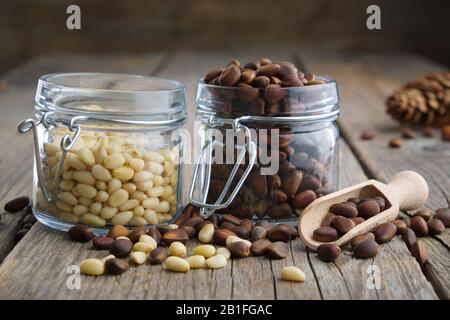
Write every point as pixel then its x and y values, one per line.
pixel 328 80
pixel 48 79
pixel 106 96
pixel 318 101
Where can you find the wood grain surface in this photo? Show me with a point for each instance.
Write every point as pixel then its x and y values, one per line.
pixel 36 267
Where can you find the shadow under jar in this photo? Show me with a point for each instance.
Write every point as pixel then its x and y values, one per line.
pixel 106 150
pixel 287 140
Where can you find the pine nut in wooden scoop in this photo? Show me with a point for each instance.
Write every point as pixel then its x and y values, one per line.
pixel 406 191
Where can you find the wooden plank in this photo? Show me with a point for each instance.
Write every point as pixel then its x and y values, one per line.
pixel 365 81
pixel 17 103
pixel 49 253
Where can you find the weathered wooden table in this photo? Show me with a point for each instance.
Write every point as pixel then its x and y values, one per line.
pixel 36 267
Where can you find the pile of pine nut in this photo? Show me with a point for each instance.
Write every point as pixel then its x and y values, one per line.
pixel 111 178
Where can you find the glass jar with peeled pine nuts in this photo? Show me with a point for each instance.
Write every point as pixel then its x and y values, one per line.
pixel 108 150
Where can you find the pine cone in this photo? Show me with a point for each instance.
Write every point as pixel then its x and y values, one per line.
pixel 422 102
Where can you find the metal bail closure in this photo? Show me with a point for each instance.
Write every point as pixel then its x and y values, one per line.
pixel 67 142
pixel 206 209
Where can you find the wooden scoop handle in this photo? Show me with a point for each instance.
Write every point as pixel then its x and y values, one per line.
pixel 410 189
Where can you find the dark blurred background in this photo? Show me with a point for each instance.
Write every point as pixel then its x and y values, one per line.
pixel 29 28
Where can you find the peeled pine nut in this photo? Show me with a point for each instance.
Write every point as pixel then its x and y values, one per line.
pixel 84 177
pixel 216 262
pixel 129 187
pixel 92 267
pixel 205 250
pixel 224 251
pixel 63 206
pixel 150 203
pixel 136 164
pixel 129 205
pixel 167 192
pixel 107 212
pixel 162 207
pixel 75 162
pixel 93 220
pixel 206 234
pixel 102 196
pixel 101 173
pixel 176 264
pixel 154 168
pixel 139 195
pixel 114 185
pixel 144 185
pixel 177 249
pixel 86 191
pixel 68 198
pixel 155 192
pixel 168 169
pixel 79 210
pixel 157 181
pixel 100 154
pixel 148 239
pixel 138 257
pixel 67 185
pixel 139 211
pixel 292 273
pixel 68 217
pixel 114 161
pixel 95 208
pixel 105 175
pixel 154 156
pixel 146 247
pixel 151 216
pixel 86 156
pixel 122 218
pixel 123 173
pixel 51 149
pixel 196 262
pixel 68 175
pixel 138 221
pixel 101 185
pixel 85 201
pixel 118 197
pixel 142 176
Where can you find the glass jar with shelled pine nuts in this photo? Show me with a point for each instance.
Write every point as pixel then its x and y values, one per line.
pixel 107 150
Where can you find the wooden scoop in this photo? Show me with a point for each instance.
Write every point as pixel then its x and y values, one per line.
pixel 407 191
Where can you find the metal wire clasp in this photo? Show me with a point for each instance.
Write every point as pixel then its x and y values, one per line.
pixel 67 142
pixel 206 209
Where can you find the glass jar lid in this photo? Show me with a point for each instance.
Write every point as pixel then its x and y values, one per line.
pixel 308 103
pixel 114 98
